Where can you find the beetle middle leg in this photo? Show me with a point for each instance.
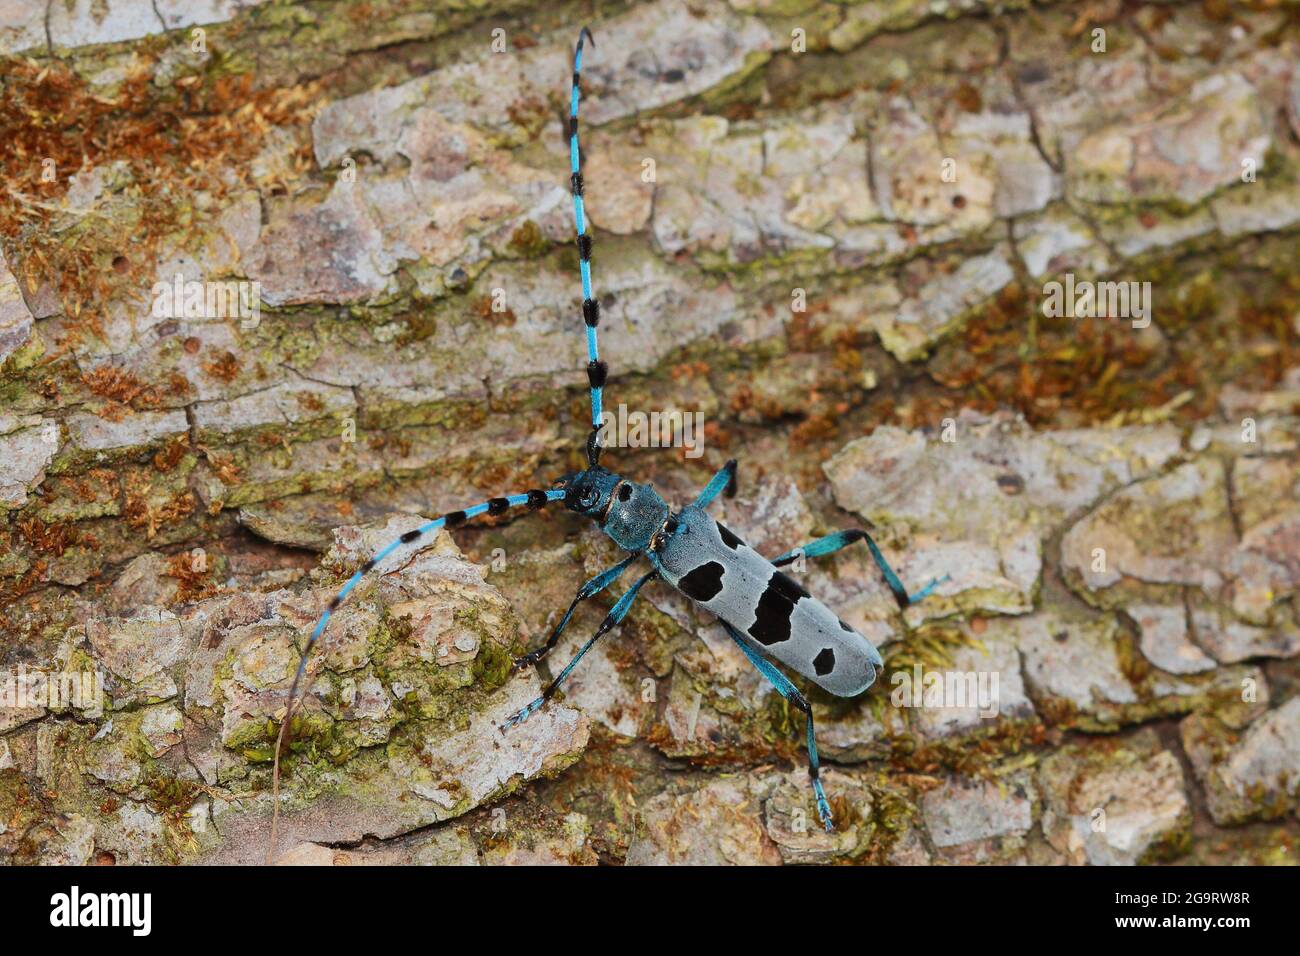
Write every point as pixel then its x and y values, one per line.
pixel 590 589
pixel 612 620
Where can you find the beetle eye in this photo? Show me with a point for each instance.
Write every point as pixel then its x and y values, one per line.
pixel 589 497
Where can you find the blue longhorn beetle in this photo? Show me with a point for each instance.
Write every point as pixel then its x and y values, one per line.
pixel 767 613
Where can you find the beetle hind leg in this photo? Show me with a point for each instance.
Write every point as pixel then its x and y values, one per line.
pixel 791 693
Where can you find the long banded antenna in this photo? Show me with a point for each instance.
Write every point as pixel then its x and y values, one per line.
pixel 597 371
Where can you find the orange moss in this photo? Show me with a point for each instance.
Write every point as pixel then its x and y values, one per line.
pixel 114 383
pixel 819 427
pixel 743 399
pixel 224 368
pixel 968 98
pixel 482 309
pixel 310 401
pixel 191 584
pixel 48 539
pixel 173 142
pixel 1081 372
pixel 169 456
pixel 222 465
pixel 140 512
pixel 685 371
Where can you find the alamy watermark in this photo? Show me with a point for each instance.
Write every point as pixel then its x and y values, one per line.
pixel 1085 299
pixel 133 911
pixel 667 429
pixel 939 690
pixel 193 299
pixel 24 689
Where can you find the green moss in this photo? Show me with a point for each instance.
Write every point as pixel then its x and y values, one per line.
pixel 894 812
pixel 246 735
pixel 420 324
pixel 929 647
pixel 1171 845
pixel 492 665
pixel 659 637
pixel 171 796
pixel 23 358
pixel 528 242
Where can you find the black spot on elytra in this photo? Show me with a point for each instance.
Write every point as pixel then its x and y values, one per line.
pixel 703 583
pixel 824 662
pixel 729 539
pixel 624 492
pixel 772 616
pixel 788 587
